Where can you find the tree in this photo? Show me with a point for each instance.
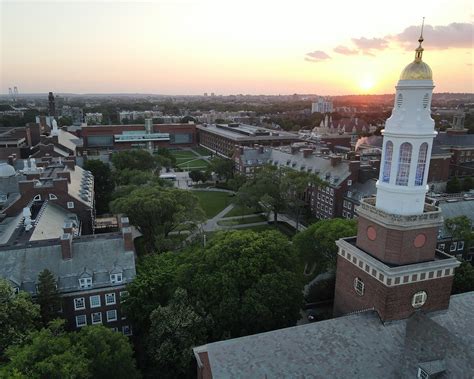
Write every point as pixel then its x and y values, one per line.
pixel 18 316
pixel 175 330
pixel 156 211
pixel 453 185
pixel 103 183
pixel 93 352
pixel 316 245
pixel 134 160
pixel 463 278
pixel 460 229
pixel 48 296
pixel 187 119
pixel 468 183
pixel 198 176
pixel 64 121
pixel 223 168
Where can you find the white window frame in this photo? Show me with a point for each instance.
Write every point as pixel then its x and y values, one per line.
pixel 112 296
pixel 112 312
pixel 359 286
pixel 78 317
pixel 460 245
pixel 85 283
pixel 91 301
pixel 52 196
pixel 95 322
pixel 419 299
pixel 78 308
pixel 422 374
pixel 114 278
pixel 37 198
pixel 453 246
pixel 441 246
pixel 70 205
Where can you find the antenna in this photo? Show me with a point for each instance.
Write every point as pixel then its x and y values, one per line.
pixel 420 40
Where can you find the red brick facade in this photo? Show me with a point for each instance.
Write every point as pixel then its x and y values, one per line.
pixel 396 246
pixel 392 303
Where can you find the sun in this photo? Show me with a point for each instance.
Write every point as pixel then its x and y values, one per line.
pixel 367 83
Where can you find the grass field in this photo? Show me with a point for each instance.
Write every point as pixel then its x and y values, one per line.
pixel 192 164
pixel 212 202
pixel 241 211
pixel 202 151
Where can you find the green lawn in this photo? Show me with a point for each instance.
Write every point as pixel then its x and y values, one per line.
pixel 212 202
pixel 192 164
pixel 202 151
pixel 242 221
pixel 241 211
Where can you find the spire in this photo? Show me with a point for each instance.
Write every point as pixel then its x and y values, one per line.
pixel 419 50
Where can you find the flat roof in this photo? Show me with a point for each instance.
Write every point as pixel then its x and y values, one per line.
pixel 243 132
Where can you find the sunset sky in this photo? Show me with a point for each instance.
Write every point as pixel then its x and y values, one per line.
pixel 227 47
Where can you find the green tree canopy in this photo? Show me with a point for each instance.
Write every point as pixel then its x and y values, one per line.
pixel 134 160
pixel 175 330
pixel 93 352
pixel 460 229
pixel 18 316
pixel 317 244
pixel 453 185
pixel 463 278
pixel 223 168
pixel 103 183
pixel 48 296
pixel 156 211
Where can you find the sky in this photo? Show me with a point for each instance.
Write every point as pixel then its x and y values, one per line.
pixel 230 47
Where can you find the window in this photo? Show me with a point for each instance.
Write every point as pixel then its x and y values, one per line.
pixel 453 246
pixel 422 374
pixel 441 246
pixel 37 198
pixel 420 167
pixel 97 318
pixel 359 286
pixel 461 245
pixel 419 299
pixel 404 161
pixel 95 301
pixel 127 330
pixel 70 204
pixel 387 164
pixel 112 315
pixel 349 182
pixel 399 100
pixel 85 282
pixel 52 196
pixel 79 303
pixel 110 299
pixel 116 278
pixel 114 329
pixel 81 320
pixel 16 290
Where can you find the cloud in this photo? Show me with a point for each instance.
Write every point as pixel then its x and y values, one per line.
pixel 456 34
pixel 366 45
pixel 317 56
pixel 344 50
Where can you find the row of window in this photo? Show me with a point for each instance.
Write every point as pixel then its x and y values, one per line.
pixel 87 282
pixel 404 162
pixel 459 245
pixel 52 196
pixel 95 301
pixel 347 204
pixel 418 299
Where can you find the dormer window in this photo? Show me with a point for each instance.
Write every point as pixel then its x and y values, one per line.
pixel 116 278
pixel 37 198
pixel 85 283
pixel 52 196
pixel 422 374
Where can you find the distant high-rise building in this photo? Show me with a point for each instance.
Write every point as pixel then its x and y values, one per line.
pixel 322 105
pixel 51 105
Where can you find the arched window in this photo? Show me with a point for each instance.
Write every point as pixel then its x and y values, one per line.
pixel 399 100
pixel 387 163
pixel 420 167
pixel 404 161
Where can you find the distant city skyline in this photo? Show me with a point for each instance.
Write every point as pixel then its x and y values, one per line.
pixel 268 48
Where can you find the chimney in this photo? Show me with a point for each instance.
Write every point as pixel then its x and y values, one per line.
pixel 67 227
pixel 128 239
pixel 64 174
pixel 307 152
pixel 335 160
pixel 70 164
pixel 60 184
pixel 26 186
pixel 124 222
pixel 66 246
pixel 11 160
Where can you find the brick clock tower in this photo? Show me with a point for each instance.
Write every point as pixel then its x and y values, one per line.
pixel 392 265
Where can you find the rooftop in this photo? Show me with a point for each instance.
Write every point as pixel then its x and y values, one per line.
pixel 243 132
pixel 354 346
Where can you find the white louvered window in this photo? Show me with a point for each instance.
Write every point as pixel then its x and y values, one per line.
pixel 420 167
pixel 404 161
pixel 387 164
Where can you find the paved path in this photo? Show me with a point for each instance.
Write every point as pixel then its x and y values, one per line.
pixel 290 221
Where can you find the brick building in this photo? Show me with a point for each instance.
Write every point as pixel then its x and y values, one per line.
pixel 150 136
pixel 337 173
pixel 91 273
pixel 222 138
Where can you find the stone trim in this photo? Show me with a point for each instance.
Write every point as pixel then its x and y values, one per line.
pixel 395 276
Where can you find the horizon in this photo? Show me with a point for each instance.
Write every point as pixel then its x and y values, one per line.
pixel 187 49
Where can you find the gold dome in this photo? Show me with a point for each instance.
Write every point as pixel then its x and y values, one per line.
pixel 417 71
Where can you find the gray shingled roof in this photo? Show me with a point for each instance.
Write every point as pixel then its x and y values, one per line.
pixel 100 255
pixel 354 346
